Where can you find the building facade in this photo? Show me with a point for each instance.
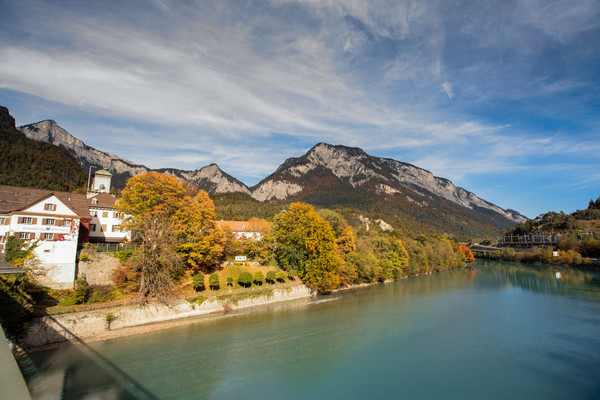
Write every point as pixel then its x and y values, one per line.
pixel 57 221
pixel 106 225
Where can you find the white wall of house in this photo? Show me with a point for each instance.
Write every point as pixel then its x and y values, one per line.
pixel 56 227
pixel 106 225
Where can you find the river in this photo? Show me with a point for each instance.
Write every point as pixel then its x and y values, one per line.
pixel 494 330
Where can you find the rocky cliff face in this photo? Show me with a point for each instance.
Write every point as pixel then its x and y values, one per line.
pixel 210 178
pixel 362 171
pixel 324 175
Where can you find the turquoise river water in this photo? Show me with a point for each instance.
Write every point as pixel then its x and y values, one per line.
pixel 491 331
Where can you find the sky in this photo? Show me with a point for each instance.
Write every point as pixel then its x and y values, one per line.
pixel 501 97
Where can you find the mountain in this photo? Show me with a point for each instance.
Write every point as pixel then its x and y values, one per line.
pixel 336 177
pixel 210 178
pixel 340 176
pixel 31 163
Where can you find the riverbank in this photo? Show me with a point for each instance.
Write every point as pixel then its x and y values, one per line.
pixel 88 326
pixel 55 330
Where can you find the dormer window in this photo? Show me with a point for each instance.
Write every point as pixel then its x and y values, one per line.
pixel 50 207
pixel 94 201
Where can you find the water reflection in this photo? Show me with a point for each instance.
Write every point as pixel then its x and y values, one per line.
pixel 377 341
pixel 545 278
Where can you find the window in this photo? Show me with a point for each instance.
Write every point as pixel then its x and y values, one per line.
pixel 93 227
pixel 49 221
pixel 48 236
pixel 94 213
pixel 25 235
pixel 27 220
pixel 103 228
pixel 50 207
pixel 66 222
pixel 94 201
pixel 116 228
pixel 117 215
pixel 104 214
pixel 3 221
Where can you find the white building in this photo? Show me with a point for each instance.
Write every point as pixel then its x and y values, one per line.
pixel 57 220
pixel 106 224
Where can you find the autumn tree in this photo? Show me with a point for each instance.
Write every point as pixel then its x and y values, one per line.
pixel 469 257
pixel 172 227
pixel 156 257
pixel 201 240
pixel 305 245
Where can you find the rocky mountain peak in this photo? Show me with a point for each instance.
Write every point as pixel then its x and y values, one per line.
pixel 360 170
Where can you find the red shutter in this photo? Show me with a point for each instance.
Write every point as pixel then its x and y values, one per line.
pixel 34 221
pixel 20 220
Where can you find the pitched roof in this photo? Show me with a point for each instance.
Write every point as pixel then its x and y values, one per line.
pixel 104 200
pixel 254 225
pixel 15 198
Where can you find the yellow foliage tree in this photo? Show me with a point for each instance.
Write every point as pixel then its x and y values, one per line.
pixel 154 199
pixel 306 245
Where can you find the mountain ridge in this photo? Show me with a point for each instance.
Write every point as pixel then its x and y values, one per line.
pixel 326 175
pixel 207 178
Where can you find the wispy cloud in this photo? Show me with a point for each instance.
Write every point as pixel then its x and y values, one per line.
pixel 463 90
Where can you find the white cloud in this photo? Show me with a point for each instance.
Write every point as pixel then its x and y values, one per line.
pixel 447 88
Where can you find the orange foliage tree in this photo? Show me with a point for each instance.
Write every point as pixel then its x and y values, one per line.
pixel 154 200
pixel 469 257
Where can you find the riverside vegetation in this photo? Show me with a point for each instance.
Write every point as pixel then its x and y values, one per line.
pixel 577 233
pixel 181 249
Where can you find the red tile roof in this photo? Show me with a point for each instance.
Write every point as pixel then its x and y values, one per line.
pixel 14 198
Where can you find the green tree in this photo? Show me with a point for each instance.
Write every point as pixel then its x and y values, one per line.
pixel 259 278
pixel 213 281
pixel 306 246
pixel 271 277
pixel 245 279
pixel 281 275
pixel 198 282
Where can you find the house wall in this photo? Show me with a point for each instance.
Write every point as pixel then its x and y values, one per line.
pixel 56 253
pixel 106 222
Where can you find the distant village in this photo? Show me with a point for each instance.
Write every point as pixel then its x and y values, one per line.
pixel 62 222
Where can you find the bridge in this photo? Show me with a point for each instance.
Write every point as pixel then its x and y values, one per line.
pixel 539 239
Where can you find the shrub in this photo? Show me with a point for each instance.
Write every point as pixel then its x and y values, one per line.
pixel 213 281
pixel 245 279
pixel 271 277
pixel 110 317
pixel 101 293
pixel 198 282
pixel 259 278
pixel 281 275
pixel 126 277
pixel 82 290
pixel 123 255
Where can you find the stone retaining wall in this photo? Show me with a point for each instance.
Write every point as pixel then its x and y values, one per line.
pixel 90 325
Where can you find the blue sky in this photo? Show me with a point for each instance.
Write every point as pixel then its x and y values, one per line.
pixel 501 97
